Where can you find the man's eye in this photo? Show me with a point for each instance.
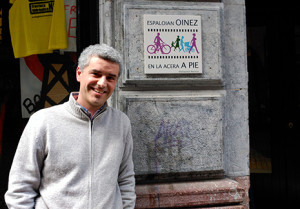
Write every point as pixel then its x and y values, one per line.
pixel 96 74
pixel 111 78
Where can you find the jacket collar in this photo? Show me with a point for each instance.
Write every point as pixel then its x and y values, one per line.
pixel 79 111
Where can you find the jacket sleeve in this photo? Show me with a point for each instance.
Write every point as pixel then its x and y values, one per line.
pixel 24 176
pixel 126 175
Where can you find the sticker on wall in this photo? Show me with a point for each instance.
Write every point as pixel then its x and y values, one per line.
pixel 172 44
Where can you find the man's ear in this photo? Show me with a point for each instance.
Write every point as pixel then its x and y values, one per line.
pixel 78 73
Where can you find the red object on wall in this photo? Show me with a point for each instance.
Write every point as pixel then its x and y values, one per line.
pixel 35 66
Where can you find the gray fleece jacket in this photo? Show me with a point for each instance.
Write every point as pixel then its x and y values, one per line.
pixel 65 160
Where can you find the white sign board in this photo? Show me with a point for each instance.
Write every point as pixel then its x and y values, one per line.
pixel 172 44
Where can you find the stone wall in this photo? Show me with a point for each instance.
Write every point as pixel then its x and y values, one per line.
pixel 186 126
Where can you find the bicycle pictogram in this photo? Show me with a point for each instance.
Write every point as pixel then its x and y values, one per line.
pixel 159 45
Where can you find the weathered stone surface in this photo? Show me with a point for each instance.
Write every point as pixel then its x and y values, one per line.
pixel 167 130
pixel 244 181
pixel 224 60
pixel 176 134
pixel 236 132
pixel 191 194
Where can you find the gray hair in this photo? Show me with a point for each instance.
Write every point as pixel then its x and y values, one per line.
pixel 99 50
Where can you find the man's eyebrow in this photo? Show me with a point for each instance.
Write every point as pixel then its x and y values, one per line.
pixel 113 75
pixel 99 71
pixel 95 71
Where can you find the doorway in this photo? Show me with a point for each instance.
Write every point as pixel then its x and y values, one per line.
pixel 273 34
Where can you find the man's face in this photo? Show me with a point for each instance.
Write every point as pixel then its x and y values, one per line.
pixel 97 83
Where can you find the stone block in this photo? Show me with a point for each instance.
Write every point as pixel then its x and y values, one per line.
pixel 236 133
pixel 176 134
pixel 133 28
pixel 205 194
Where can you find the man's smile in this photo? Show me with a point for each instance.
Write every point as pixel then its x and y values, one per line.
pixel 98 91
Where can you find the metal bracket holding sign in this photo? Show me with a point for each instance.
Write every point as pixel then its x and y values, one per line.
pixel 172 44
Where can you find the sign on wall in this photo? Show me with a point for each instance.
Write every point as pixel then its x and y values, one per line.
pixel 172 44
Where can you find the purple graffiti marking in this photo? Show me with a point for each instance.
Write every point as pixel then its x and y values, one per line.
pixel 158 45
pixel 170 135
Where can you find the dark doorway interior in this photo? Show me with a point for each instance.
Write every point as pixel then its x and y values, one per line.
pixel 273 33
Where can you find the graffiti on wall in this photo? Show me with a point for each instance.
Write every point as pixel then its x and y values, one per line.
pixel 170 139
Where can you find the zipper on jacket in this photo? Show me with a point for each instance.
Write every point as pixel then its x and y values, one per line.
pixel 91 158
pixel 91 164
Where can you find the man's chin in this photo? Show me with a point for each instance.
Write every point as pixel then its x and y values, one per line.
pixel 98 103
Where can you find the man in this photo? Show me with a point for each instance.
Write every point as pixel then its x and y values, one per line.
pixel 158 41
pixel 78 154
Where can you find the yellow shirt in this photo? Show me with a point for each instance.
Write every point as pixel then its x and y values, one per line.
pixel 37 26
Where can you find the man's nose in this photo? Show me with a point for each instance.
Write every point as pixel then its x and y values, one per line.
pixel 102 82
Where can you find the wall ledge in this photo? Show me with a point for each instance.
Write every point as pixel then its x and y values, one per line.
pixel 221 193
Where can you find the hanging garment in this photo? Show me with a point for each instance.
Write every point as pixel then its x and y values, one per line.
pixel 37 26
